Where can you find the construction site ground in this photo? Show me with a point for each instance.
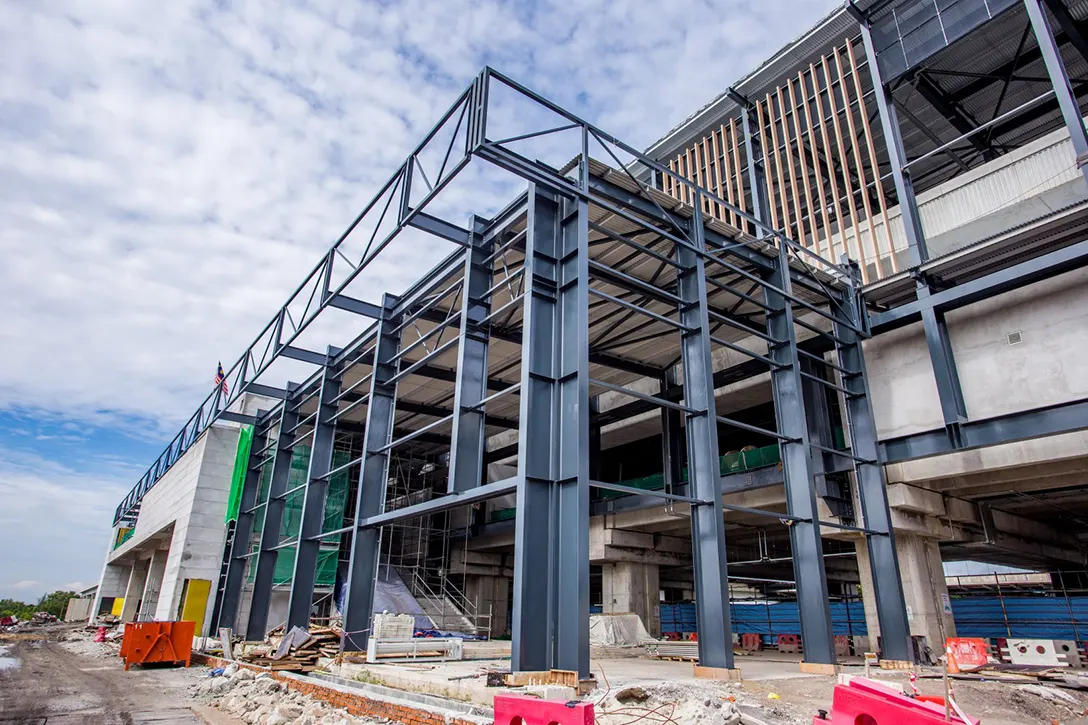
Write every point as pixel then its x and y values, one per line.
pixel 60 677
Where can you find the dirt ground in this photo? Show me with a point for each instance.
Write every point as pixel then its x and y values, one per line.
pixel 65 679
pixel 44 682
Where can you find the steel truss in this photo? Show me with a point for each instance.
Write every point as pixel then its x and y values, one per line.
pixel 593 282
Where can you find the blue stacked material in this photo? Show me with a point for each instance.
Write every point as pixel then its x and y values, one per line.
pixel 766 618
pixel 1035 617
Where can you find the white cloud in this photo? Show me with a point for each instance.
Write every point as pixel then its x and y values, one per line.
pixel 26 584
pixel 54 521
pixel 170 169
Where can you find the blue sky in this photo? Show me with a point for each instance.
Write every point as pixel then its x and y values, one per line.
pixel 169 169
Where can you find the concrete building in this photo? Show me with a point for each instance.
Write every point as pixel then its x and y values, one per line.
pixel 923 404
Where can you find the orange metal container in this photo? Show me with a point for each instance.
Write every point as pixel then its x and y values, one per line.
pixel 157 642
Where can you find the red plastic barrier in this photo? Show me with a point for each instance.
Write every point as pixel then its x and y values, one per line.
pixel 158 642
pixel 971 653
pixel 789 643
pixel 874 703
pixel 534 711
pixel 751 642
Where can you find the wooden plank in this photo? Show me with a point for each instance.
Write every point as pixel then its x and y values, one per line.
pixel 777 176
pixel 881 198
pixel 845 165
pixel 734 142
pixel 804 165
pixel 861 168
pixel 816 157
pixel 829 152
pixel 721 212
pixel 799 227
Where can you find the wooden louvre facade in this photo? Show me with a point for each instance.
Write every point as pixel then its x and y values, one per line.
pixel 823 176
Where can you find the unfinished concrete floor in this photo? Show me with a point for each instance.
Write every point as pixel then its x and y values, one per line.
pixel 43 683
pixel 772 688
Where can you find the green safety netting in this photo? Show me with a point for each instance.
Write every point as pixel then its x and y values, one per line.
pixel 241 465
pixel 335 503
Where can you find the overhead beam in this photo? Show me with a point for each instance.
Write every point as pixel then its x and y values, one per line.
pixel 359 307
pixel 303 355
pixel 440 228
pixel 1042 267
pixel 960 120
pixel 1020 426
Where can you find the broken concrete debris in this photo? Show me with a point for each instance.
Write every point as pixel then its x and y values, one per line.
pixel 259 699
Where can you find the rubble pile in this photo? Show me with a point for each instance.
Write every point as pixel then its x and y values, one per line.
pixel 259 699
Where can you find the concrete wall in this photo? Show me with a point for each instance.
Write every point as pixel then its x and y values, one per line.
pixel 192 499
pixel 1049 366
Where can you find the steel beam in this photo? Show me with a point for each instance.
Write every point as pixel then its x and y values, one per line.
pixel 814 606
pixel 373 477
pixel 872 490
pixel 243 532
pixel 1059 80
pixel 897 156
pixel 1020 426
pixel 257 626
pixel 467 450
pixel 704 469
pixel 959 119
pixel 313 499
pixel 551 545
pixel 672 439
pixel 1043 267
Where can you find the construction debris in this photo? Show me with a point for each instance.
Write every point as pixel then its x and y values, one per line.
pixel 294 651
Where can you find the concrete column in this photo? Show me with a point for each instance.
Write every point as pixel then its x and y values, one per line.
pixel 633 587
pixel 491 595
pixel 155 570
pixel 112 584
pixel 137 581
pixel 924 589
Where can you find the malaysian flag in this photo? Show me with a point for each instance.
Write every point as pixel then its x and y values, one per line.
pixel 221 379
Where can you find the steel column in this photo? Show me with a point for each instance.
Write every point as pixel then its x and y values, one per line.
pixel 373 477
pixel 813 604
pixel 1059 79
pixel 313 498
pixel 551 545
pixel 872 490
pixel 757 175
pixel 257 626
pixel 704 468
pixel 467 449
pixel 949 391
pixel 243 532
pixel 897 156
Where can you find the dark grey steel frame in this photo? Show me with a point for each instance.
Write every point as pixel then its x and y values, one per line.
pixel 791 286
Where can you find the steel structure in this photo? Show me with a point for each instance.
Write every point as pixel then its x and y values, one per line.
pixel 590 282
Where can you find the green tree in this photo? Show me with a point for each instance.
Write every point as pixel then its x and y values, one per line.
pixel 15 608
pixel 56 603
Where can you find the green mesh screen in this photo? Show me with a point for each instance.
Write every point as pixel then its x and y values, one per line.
pixel 241 466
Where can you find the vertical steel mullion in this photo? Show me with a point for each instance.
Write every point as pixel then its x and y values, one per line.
pixel 949 389
pixel 373 481
pixel 704 467
pixel 313 497
pixel 1059 80
pixel 672 440
pixel 257 626
pixel 551 548
pixel 889 123
pixel 813 605
pixel 243 531
pixel 872 491
pixel 467 438
pixel 757 179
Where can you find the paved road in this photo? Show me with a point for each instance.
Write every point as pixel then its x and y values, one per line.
pixel 41 683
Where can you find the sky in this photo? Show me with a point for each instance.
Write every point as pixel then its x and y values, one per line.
pixel 170 171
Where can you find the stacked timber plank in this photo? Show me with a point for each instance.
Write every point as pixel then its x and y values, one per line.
pixel 294 651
